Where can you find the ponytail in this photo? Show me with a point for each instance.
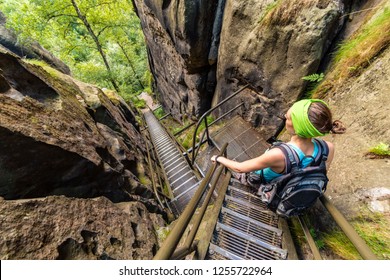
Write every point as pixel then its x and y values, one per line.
pixel 338 127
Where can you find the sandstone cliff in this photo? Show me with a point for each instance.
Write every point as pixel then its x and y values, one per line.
pixel 267 44
pixel 51 122
pixel 69 228
pixel 64 142
pixel 179 35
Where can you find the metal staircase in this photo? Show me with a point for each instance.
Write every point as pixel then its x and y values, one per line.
pixel 245 229
pixel 238 225
pixel 181 178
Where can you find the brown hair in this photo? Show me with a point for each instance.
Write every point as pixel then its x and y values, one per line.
pixel 321 118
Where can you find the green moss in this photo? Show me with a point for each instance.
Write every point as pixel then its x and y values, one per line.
pixel 162 233
pixel 187 138
pixel 50 70
pixel 338 242
pixel 34 120
pixel 296 232
pixel 114 98
pixel 381 149
pixel 144 180
pixel 374 32
pixel 283 13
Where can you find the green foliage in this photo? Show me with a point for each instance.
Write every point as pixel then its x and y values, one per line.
pixel 268 9
pixel 319 242
pixel 139 103
pixel 159 112
pixel 187 138
pixel 374 32
pixel 381 149
pixel 316 78
pixel 56 25
pixel 356 54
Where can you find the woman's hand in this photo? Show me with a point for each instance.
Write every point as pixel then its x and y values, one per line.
pixel 214 158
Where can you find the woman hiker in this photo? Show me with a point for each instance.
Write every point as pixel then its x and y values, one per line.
pixel 305 120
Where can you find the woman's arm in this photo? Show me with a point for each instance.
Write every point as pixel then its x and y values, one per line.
pixel 330 155
pixel 273 158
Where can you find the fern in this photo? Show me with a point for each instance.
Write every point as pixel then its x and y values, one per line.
pixel 316 78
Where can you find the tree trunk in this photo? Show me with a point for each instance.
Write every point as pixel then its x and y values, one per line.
pixel 96 40
pixel 131 65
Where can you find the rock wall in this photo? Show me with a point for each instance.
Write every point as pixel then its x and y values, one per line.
pixel 363 106
pixel 68 228
pixel 271 46
pixel 63 142
pixel 62 137
pixel 267 44
pixel 179 37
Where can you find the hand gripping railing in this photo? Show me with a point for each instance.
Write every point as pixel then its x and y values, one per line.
pixel 170 244
pixel 195 149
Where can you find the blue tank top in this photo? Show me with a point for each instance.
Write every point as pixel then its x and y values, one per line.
pixel 269 174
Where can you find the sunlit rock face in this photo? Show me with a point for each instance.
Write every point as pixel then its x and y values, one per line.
pixel 63 137
pixel 271 48
pixel 182 54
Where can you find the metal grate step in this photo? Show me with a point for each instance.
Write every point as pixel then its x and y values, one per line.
pixel 247 225
pixel 244 245
pixel 252 211
pixel 218 253
pixel 246 229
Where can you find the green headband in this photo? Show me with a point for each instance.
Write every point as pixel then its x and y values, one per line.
pixel 300 119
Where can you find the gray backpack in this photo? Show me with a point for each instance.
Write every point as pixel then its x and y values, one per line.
pixel 298 189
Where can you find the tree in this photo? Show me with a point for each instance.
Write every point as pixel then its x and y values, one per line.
pixel 100 40
pixel 83 18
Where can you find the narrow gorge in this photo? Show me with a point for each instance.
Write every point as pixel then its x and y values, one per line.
pixel 75 181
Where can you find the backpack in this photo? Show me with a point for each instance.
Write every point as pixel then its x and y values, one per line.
pixel 298 189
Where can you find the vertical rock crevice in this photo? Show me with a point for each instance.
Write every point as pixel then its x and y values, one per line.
pixel 180 36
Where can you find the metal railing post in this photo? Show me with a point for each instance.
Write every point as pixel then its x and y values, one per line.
pixel 208 113
pixel 349 231
pixel 170 243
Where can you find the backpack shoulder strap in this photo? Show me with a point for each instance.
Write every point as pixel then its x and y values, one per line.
pixel 291 157
pixel 323 151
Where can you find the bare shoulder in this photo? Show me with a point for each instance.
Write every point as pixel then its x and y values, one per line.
pixel 330 145
pixel 331 153
pixel 274 153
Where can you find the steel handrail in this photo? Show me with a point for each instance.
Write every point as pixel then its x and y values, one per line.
pixel 171 242
pixel 204 118
pixel 153 178
pixel 190 243
pixel 202 210
pixel 310 239
pixel 360 245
